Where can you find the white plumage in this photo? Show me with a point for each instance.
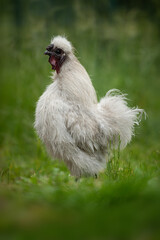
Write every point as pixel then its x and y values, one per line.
pixel 72 124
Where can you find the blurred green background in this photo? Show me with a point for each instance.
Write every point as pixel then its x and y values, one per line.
pixel 118 41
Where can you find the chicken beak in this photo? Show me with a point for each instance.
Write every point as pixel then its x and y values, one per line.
pixel 47 53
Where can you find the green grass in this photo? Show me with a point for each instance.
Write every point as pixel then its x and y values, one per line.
pixel 38 197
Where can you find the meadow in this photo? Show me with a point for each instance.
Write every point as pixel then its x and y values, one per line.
pixel 38 197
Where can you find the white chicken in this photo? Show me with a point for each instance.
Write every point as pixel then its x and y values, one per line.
pixel 71 123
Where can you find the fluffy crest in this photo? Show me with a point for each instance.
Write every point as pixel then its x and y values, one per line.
pixel 63 43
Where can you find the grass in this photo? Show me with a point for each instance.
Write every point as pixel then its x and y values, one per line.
pixel 38 197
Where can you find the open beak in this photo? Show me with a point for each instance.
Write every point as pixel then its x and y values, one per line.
pixel 49 50
pixel 47 53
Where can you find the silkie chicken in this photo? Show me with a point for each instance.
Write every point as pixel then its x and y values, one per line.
pixel 71 123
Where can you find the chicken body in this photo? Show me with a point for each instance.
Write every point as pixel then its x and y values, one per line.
pixel 71 123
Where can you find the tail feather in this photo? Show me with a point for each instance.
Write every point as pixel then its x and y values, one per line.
pixel 119 117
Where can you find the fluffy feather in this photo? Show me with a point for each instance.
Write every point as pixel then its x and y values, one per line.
pixel 73 125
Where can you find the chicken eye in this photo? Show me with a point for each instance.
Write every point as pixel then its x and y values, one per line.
pixel 58 51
